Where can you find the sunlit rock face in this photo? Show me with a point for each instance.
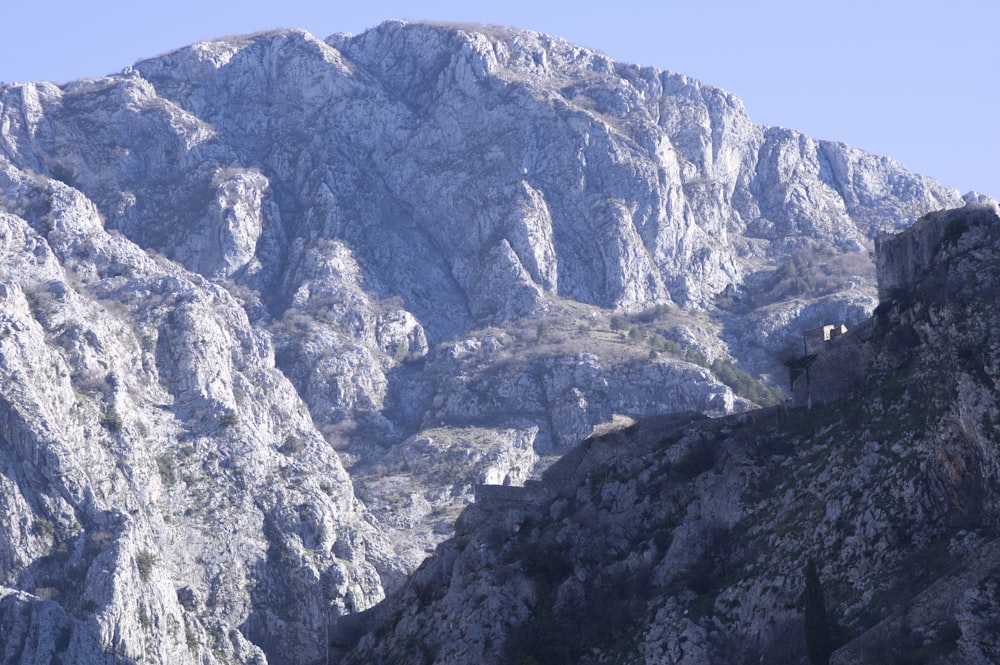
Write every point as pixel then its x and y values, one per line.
pixel 271 306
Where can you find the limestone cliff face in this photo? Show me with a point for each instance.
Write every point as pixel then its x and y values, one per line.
pixel 161 480
pixel 693 541
pixel 237 275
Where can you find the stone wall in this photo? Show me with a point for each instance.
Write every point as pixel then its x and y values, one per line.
pixel 817 339
pixel 840 365
pixel 509 496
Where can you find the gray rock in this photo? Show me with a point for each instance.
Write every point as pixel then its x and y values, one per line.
pixel 234 269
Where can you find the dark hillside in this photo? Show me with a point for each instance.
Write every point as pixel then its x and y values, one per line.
pixel 866 527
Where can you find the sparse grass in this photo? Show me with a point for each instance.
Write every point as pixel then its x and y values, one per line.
pixel 810 272
pixel 573 328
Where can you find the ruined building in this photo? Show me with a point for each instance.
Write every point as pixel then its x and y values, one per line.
pixel 835 360
pixel 815 377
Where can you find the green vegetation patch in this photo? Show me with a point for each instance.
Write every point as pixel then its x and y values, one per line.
pixel 145 562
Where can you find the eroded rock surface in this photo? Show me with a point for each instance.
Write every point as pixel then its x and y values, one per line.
pixel 694 541
pixel 430 254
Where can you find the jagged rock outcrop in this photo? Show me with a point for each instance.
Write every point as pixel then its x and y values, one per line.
pixel 688 541
pixel 232 270
pixel 904 258
pixel 142 423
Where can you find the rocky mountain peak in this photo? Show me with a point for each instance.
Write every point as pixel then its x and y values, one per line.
pixel 272 306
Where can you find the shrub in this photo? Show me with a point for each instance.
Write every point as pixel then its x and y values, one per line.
pixel 64 173
pixel 44 528
pixel 168 470
pixel 292 445
pixel 145 561
pixel 191 638
pixel 695 356
pixel 651 314
pixel 112 421
pixel 744 385
pixel 637 333
pixel 229 419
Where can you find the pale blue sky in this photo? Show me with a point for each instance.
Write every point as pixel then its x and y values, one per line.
pixel 915 80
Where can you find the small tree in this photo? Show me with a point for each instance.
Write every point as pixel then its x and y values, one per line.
pixel 112 421
pixel 167 469
pixel 292 445
pixel 229 419
pixel 145 561
pixel 819 638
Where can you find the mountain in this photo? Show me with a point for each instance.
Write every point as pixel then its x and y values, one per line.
pixel 861 531
pixel 273 306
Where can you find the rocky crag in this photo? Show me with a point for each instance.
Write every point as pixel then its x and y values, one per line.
pixel 864 530
pixel 271 306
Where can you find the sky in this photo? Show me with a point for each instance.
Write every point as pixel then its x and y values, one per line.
pixel 915 80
